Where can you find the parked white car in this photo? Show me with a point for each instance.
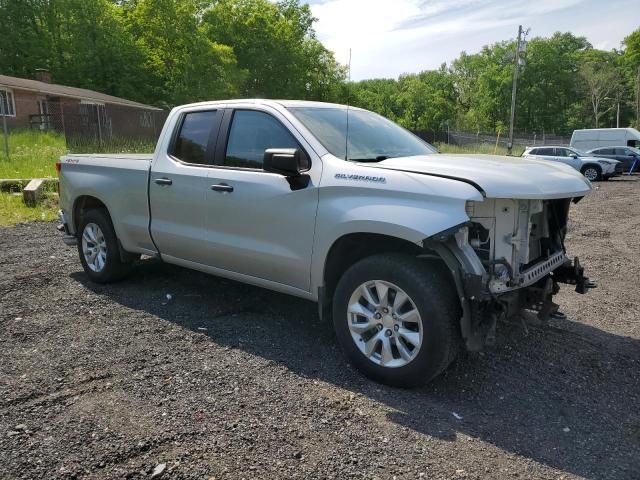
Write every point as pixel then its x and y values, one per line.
pixel 594 168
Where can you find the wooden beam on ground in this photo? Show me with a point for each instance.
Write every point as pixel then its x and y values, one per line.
pixel 32 193
pixel 17 184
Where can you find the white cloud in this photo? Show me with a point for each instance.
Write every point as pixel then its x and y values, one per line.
pixel 388 38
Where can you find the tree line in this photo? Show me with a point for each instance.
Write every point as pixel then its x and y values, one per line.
pixel 565 84
pixel 168 52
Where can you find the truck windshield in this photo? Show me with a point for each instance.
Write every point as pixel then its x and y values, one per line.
pixel 372 138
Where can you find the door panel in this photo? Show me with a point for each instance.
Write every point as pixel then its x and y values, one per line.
pixel 564 156
pixel 178 211
pixel 178 187
pixel 262 228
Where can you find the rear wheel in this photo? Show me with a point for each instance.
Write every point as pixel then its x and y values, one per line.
pixel 98 248
pixel 396 318
pixel 592 172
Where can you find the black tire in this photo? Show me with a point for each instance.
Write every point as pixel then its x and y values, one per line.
pixel 431 289
pixel 585 171
pixel 114 268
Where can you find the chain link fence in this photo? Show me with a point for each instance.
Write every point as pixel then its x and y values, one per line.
pixel 458 141
pixel 86 126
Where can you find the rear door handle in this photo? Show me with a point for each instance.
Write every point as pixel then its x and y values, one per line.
pixel 222 187
pixel 163 181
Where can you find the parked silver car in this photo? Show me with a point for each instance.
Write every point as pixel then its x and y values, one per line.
pixel 594 168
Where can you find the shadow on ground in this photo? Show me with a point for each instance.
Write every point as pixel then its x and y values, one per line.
pixel 565 395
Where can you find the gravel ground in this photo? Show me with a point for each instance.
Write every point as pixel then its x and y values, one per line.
pixel 225 380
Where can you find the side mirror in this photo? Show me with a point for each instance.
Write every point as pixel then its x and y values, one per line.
pixel 284 161
pixel 573 155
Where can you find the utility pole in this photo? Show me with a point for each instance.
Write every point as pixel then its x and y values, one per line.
pixel 618 115
pixel 518 61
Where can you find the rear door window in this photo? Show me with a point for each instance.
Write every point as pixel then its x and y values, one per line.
pixel 544 151
pixel 251 133
pixel 197 131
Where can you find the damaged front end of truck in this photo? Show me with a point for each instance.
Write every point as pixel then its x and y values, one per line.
pixel 510 257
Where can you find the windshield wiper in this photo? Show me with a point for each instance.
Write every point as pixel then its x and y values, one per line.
pixel 379 158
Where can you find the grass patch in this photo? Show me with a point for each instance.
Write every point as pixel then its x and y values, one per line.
pixel 13 210
pixel 32 154
pixel 483 148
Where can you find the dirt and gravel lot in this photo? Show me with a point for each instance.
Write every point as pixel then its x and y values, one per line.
pixel 224 380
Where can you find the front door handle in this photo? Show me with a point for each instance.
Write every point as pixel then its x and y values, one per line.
pixel 163 181
pixel 222 187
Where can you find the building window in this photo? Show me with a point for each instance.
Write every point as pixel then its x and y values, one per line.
pixel 7 104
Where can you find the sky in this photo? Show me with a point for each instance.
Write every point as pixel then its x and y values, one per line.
pixel 391 37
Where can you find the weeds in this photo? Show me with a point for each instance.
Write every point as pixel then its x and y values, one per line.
pixel 32 154
pixel 13 210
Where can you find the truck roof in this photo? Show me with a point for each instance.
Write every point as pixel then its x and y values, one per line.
pixel 281 103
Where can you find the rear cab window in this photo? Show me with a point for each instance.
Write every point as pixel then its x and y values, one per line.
pixel 195 137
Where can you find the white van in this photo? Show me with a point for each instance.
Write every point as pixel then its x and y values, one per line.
pixel 591 138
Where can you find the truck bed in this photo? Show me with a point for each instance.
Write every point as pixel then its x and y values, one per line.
pixel 120 180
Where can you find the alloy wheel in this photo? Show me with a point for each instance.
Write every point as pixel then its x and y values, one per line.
pixel 591 174
pixel 384 323
pixel 94 247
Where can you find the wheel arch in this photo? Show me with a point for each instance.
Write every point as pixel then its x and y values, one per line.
pixel 84 203
pixel 353 247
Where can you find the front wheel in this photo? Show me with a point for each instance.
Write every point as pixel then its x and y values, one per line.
pixel 396 318
pixel 592 172
pixel 98 248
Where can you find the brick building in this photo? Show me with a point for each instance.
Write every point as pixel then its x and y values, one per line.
pixel 27 103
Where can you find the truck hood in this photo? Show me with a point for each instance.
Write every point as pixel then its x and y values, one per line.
pixel 498 176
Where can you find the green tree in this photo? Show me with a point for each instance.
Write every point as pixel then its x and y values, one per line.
pixel 377 95
pixel 276 46
pixel 427 100
pixel 180 63
pixel 630 66
pixel 483 83
pixel 549 89
pixel 27 42
pixel 603 87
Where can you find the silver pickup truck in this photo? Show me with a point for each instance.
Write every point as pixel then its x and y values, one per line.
pixel 413 254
